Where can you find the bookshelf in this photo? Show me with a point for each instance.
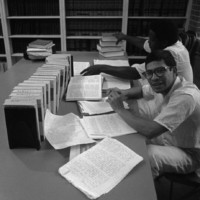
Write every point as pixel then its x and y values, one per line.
pixel 76 25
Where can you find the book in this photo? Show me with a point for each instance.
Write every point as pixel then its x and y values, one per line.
pixel 112 54
pixel 41 44
pixel 106 125
pixel 99 169
pixel 84 88
pixel 108 37
pixel 109 48
pixel 109 43
pixel 22 123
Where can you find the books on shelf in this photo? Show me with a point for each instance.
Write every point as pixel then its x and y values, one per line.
pixel 84 88
pixel 99 169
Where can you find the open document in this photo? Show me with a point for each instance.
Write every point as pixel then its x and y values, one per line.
pixel 85 88
pixel 100 126
pixel 64 131
pixel 99 169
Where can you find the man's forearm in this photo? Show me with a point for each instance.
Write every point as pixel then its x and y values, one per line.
pixel 145 127
pixel 136 41
pixel 121 72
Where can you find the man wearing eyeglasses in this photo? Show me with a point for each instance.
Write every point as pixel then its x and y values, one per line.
pixel 173 130
pixel 163 34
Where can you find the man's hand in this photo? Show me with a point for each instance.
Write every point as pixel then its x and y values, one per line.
pixel 115 100
pixel 92 70
pixel 120 37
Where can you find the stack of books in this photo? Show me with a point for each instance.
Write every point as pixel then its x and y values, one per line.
pixel 39 49
pixel 107 46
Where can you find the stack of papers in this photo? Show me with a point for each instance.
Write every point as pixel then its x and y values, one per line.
pixel 98 170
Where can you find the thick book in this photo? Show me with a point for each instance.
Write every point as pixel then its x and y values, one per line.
pixel 22 124
pixel 84 88
pixel 99 169
pixel 109 43
pixel 40 43
pixel 108 37
pixel 109 48
pixel 112 54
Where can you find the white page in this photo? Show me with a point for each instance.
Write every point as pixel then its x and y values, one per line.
pixel 100 126
pixel 113 81
pixel 85 88
pixel 96 107
pixel 99 169
pixel 79 67
pixel 117 63
pixel 64 131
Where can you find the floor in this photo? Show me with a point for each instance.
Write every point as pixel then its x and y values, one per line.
pixel 162 188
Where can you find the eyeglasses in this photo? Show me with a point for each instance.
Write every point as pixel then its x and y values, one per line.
pixel 159 72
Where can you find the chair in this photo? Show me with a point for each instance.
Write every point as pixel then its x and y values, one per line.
pixel 188 39
pixel 191 180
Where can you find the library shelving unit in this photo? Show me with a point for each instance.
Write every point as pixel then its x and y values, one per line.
pixel 2 47
pixel 77 25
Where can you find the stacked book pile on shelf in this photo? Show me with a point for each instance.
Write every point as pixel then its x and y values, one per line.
pixel 108 46
pixel 27 103
pixel 39 49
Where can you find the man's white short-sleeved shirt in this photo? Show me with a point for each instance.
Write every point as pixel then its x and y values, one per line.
pixel 181 57
pixel 180 114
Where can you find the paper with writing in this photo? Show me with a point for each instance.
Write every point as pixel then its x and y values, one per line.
pixel 116 63
pixel 64 131
pixel 99 169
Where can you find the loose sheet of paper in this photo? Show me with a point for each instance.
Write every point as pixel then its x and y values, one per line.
pixel 96 107
pixel 113 81
pixel 79 67
pixel 117 63
pixel 99 169
pixel 100 126
pixel 64 131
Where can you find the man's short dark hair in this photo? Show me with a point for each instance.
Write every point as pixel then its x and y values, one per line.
pixel 159 55
pixel 165 31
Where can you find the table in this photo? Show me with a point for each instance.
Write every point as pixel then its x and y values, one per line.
pixel 28 174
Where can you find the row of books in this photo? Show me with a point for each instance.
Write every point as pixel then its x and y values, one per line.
pixel 94 7
pixel 157 8
pixel 98 7
pixel 92 26
pixel 33 7
pixel 35 26
pixel 27 103
pixel 140 27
